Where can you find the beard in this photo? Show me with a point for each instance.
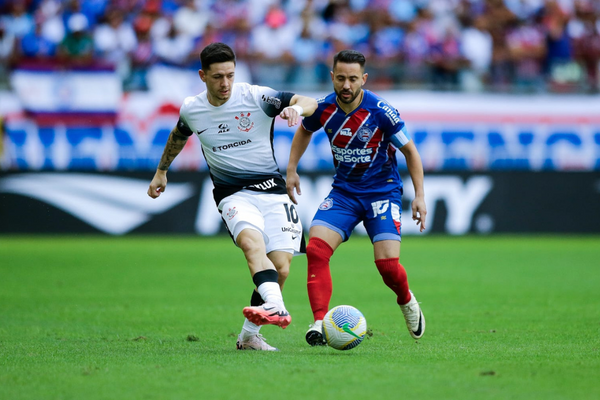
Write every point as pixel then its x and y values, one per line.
pixel 353 95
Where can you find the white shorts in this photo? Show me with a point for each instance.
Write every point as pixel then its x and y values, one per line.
pixel 273 215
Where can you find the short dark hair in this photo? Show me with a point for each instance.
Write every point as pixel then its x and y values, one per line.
pixel 216 53
pixel 349 57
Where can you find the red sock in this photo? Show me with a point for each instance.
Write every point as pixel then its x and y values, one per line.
pixel 394 276
pixel 319 285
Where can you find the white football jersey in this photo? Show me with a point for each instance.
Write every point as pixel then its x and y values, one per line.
pixel 237 137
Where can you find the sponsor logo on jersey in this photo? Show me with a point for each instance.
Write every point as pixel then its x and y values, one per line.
pixel 231 145
pixel 268 184
pixel 274 101
pixel 358 155
pixel 244 124
pixel 326 204
pixel 346 132
pixel 380 207
pixel 223 128
pixel 291 229
pixel 364 134
pixel 390 112
pixel 231 213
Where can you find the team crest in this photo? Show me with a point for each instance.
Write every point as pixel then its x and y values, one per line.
pixel 364 134
pixel 232 212
pixel 245 124
pixel 326 204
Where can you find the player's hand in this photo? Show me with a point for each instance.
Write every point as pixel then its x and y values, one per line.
pixel 158 184
pixel 293 182
pixel 291 114
pixel 419 212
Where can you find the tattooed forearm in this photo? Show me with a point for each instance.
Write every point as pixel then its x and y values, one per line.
pixel 174 145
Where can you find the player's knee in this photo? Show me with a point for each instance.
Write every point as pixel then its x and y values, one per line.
pixel 283 269
pixel 250 243
pixel 283 274
pixel 318 250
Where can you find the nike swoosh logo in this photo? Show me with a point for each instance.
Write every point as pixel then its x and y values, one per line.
pixel 294 237
pixel 200 132
pixel 116 211
pixel 347 330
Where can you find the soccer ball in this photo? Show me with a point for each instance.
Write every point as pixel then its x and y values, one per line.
pixel 344 327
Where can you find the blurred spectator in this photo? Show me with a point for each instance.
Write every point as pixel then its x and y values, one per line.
pixel 272 48
pixel 77 48
pixel 476 48
pixel 114 40
pixel 36 47
pixel 18 22
pixel 53 27
pixel 499 21
pixel 446 61
pixel 7 53
pixel 174 49
pixel 70 8
pixel 385 40
pixel 310 67
pixel 142 56
pixel 585 32
pixel 526 48
pixel 160 24
pixel 562 72
pixel 94 10
pixel 190 19
pixel 419 38
pixel 498 45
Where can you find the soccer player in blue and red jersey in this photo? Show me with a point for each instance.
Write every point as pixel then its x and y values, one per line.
pixel 364 132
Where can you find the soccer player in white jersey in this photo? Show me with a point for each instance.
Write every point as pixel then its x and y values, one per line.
pixel 234 122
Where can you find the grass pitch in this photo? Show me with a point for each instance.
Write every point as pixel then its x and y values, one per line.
pixel 157 318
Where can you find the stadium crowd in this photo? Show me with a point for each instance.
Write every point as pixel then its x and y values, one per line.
pixel 470 45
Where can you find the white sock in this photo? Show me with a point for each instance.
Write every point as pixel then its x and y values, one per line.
pixel 271 293
pixel 249 329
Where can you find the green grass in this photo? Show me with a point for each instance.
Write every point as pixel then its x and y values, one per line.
pixel 117 318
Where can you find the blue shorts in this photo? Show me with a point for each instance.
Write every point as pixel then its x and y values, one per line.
pixel 380 213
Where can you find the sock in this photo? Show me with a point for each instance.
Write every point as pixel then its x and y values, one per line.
pixel 319 284
pixel 256 300
pixel 250 329
pixel 267 286
pixel 394 276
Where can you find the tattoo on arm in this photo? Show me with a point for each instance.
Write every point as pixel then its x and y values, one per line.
pixel 174 145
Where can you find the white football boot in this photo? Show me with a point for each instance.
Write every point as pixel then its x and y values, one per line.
pixel 314 335
pixel 254 342
pixel 415 321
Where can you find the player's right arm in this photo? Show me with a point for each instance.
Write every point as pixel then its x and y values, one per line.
pixel 175 144
pixel 299 144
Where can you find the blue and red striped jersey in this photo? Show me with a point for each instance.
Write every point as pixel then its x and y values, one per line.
pixel 363 142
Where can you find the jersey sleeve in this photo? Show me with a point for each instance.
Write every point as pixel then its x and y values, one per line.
pixel 272 101
pixel 401 137
pixel 313 123
pixel 182 125
pixel 393 125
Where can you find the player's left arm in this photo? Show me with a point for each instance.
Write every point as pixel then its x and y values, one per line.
pixel 415 169
pixel 300 106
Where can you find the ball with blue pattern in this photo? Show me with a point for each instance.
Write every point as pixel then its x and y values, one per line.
pixel 344 327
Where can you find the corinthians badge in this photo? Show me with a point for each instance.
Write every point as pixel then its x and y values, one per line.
pixel 245 124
